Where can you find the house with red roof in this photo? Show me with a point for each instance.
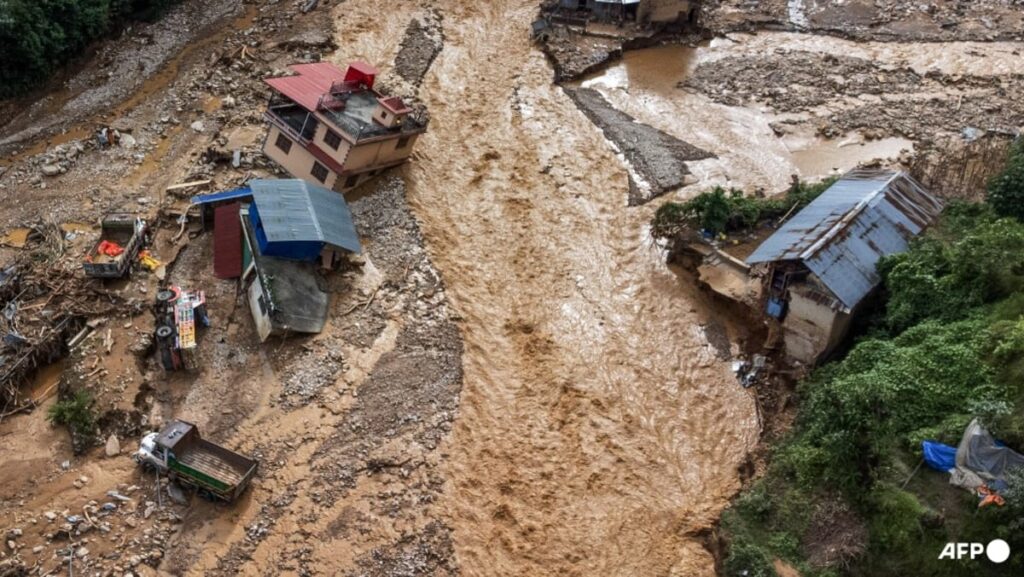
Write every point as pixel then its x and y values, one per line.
pixel 333 128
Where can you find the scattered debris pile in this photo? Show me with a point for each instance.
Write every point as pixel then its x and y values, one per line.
pixel 45 303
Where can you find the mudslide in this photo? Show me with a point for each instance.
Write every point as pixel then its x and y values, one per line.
pixel 599 432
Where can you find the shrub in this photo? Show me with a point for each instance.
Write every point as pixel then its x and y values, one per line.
pixel 75 412
pixel 719 210
pixel 1006 190
pixel 748 560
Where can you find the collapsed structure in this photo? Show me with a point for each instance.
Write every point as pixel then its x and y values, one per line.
pixel 277 236
pixel 821 264
pixel 333 128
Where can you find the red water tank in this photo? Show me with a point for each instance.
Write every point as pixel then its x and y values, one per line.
pixel 362 73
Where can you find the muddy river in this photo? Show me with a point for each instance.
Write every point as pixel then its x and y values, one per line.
pixel 598 430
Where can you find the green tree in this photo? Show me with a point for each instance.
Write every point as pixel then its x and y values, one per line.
pixel 1006 190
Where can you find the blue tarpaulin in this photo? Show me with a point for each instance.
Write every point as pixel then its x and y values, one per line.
pixel 938 456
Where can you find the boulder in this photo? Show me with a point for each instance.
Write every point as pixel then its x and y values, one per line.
pixel 113 447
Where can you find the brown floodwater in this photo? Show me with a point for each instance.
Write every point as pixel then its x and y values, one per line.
pixel 598 432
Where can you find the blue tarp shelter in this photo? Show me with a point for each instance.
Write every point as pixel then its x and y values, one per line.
pixel 939 456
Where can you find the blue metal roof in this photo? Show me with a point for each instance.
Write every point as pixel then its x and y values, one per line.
pixel 242 192
pixel 842 234
pixel 294 210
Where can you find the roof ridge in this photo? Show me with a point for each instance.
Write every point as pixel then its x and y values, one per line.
pixel 850 215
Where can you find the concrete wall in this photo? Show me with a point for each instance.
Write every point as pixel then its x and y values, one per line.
pixel 812 329
pixel 663 11
pixel 383 152
pixel 298 161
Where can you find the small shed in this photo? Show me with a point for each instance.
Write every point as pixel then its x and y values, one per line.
pixel 295 220
pixel 821 264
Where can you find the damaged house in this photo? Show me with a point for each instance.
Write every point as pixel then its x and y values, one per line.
pixel 821 264
pixel 333 128
pixel 291 230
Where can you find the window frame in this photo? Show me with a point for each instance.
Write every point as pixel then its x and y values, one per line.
pixel 332 135
pixel 313 171
pixel 277 142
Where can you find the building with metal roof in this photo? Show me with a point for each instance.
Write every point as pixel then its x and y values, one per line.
pixel 297 220
pixel 332 127
pixel 823 261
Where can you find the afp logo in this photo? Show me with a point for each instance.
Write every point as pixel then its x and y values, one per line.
pixel 997 551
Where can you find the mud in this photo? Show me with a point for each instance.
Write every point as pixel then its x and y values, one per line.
pixel 139 65
pixel 512 381
pixel 657 159
pixel 890 20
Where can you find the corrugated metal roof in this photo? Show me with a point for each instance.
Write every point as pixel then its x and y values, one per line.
pixel 312 81
pixel 296 210
pixel 842 234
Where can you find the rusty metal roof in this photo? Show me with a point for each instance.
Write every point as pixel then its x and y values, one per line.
pixel 841 235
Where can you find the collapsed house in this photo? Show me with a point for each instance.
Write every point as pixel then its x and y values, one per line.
pixel 333 128
pixel 820 266
pixel 290 229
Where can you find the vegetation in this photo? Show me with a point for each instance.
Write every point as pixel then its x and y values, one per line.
pixel 76 413
pixel 1006 190
pixel 948 347
pixel 718 210
pixel 39 36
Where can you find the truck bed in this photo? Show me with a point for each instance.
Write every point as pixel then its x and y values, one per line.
pixel 210 464
pixel 222 471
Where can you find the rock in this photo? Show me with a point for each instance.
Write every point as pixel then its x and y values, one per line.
pixel 113 447
pixel 176 494
pixel 198 126
pixel 228 102
pixel 128 141
pixel 11 545
pixel 14 533
pixel 50 516
pixel 37 549
pixel 50 169
pixel 81 552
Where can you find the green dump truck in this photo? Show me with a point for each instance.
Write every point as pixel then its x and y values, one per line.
pixel 178 451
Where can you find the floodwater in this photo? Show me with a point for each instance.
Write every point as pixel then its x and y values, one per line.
pixel 598 432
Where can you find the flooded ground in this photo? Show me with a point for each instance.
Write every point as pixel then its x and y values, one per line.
pixel 514 382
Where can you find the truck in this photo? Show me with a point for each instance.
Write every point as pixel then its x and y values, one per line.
pixel 178 451
pixel 121 237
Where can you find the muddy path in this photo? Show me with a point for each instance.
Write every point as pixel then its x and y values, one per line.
pixel 598 433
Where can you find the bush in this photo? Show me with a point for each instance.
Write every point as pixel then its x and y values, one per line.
pixel 720 211
pixel 75 413
pixel 748 560
pixel 1006 190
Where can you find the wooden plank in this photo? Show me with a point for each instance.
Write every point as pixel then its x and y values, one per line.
pixel 188 184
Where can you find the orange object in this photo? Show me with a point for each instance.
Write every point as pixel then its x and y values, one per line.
pixel 109 248
pixel 989 497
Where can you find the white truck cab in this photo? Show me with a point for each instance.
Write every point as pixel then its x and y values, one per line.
pixel 150 454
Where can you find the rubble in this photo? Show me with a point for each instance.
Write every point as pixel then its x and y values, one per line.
pixel 658 159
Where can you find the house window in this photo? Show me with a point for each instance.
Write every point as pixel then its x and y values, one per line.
pixel 284 143
pixel 384 114
pixel 332 139
pixel 402 142
pixel 352 180
pixel 319 171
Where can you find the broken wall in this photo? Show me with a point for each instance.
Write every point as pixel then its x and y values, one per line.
pixel 664 11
